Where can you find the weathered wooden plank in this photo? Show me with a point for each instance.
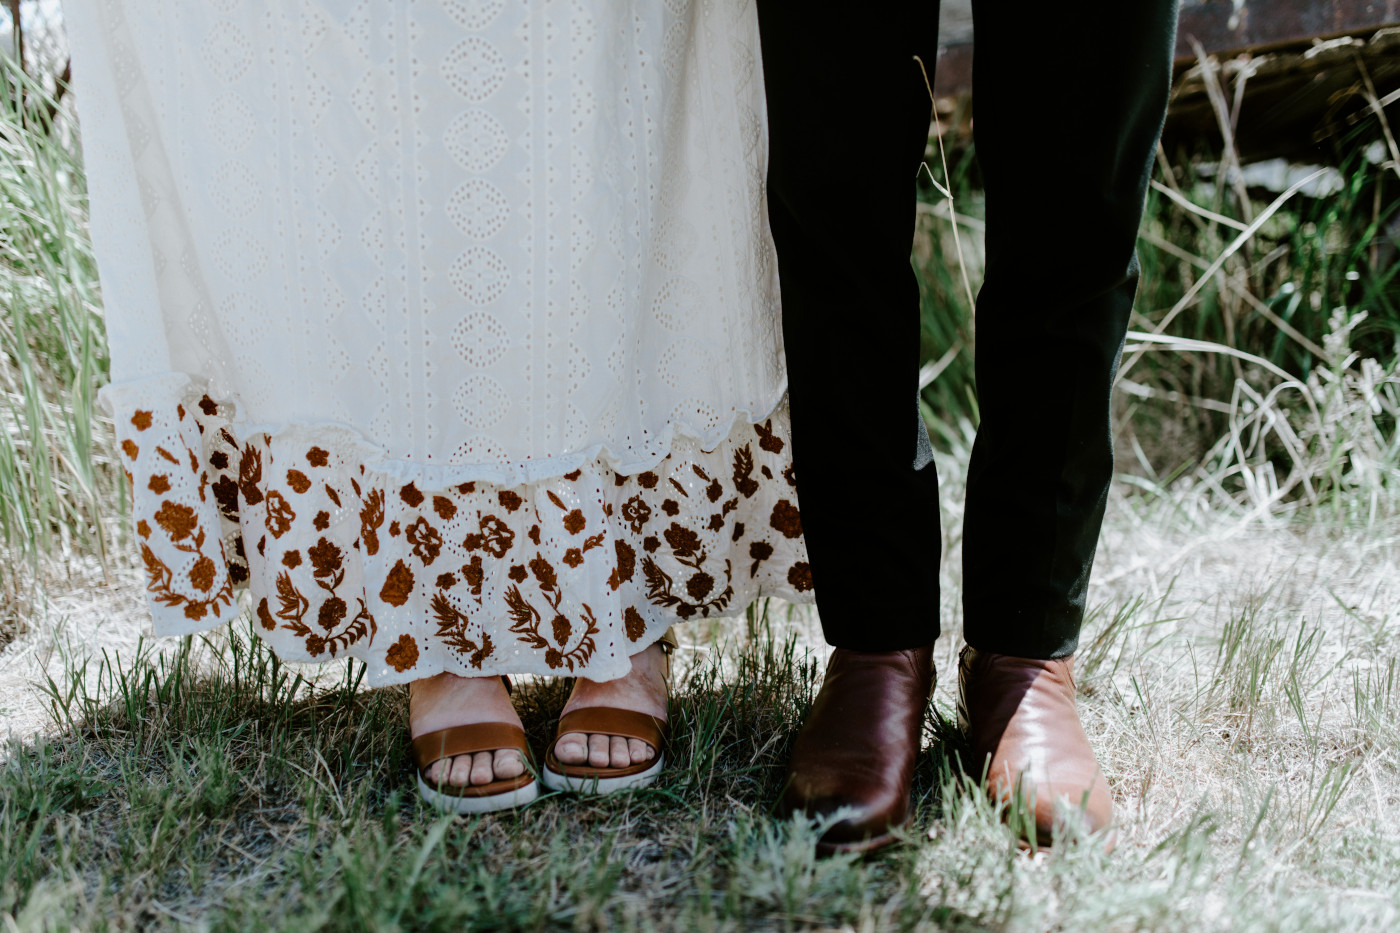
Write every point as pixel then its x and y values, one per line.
pixel 1222 27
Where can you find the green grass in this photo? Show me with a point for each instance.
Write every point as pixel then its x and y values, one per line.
pixel 203 783
pixel 59 483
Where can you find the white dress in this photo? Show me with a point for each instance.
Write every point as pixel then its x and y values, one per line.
pixel 448 330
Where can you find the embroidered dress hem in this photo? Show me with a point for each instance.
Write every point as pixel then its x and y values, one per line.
pixel 417 569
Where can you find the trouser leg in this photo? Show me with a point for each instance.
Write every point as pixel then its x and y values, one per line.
pixel 848 114
pixel 1068 103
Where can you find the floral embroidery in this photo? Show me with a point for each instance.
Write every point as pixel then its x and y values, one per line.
pixel 787 519
pixel 181 527
pixel 403 653
pixel 250 475
pixel 495 537
pixel 759 551
pixel 321 577
pixel 398 586
pixel 452 630
pixel 767 440
pixel 636 513
pixel 425 540
pixel 527 620
pixel 633 623
pixel 626 564
pixel 688 551
pixel 371 517
pixel 279 514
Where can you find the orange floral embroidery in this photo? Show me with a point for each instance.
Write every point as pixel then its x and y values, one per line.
pixel 425 540
pixel 626 567
pixel 402 654
pixel 411 496
pixel 250 475
pixel 298 481
pixel 371 517
pixel 527 620
pixel 179 521
pixel 474 573
pixel 574 522
pixel 452 631
pixel 444 508
pixel 317 457
pixel 159 484
pixel 202 574
pixel 130 449
pixel 495 537
pixel 510 501
pixel 636 513
pixel 279 514
pixel 398 585
pixel 142 420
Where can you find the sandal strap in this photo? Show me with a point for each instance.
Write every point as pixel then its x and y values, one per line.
pixel 467 740
pixel 607 720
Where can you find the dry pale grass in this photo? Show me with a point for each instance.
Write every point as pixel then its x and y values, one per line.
pixel 1239 683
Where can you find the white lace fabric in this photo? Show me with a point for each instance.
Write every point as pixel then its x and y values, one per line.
pixel 445 243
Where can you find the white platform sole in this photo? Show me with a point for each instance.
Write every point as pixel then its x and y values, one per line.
pixel 451 803
pixel 596 785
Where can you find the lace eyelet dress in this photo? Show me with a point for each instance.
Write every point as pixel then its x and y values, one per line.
pixel 444 333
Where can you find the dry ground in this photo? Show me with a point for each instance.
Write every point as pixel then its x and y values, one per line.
pixel 1239 683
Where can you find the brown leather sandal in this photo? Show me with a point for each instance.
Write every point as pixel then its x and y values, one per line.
pixel 467 740
pixel 607 720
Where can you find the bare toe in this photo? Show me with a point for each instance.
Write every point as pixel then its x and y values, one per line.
pixel 481 768
pixel 461 774
pixel 639 751
pixel 599 751
pixel 507 764
pixel 572 748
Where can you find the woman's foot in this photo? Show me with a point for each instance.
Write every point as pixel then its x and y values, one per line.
pixel 642 690
pixel 446 700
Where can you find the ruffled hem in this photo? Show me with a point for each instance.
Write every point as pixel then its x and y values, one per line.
pixel 173 387
pixel 417 568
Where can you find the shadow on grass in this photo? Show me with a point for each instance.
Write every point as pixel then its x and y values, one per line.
pixel 211 784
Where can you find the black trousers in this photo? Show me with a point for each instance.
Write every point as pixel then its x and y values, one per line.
pixel 1068 106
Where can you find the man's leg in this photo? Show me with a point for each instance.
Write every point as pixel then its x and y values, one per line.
pixel 1066 151
pixel 848 112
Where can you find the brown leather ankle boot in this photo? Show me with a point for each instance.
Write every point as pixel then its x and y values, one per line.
pixel 1020 718
pixel 858 748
